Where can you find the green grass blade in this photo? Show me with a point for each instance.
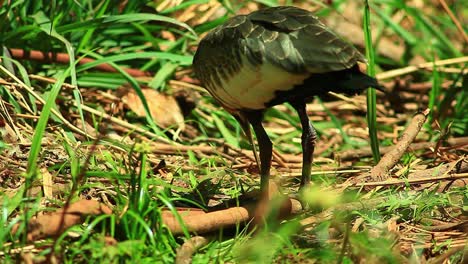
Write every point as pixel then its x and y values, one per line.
pixel 42 123
pixel 101 80
pixel 434 94
pixel 435 32
pixel 227 135
pixel 269 3
pixel 164 73
pixel 124 19
pixel 47 26
pixel 183 60
pixel 371 94
pixel 407 36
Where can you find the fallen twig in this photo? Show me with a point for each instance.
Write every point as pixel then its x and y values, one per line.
pixel 452 177
pixel 380 171
pixel 42 101
pixel 367 152
pixel 460 166
pixel 185 252
pixel 454 20
pixel 64 58
pixel 445 227
pixel 402 71
pixel 440 173
pixel 444 258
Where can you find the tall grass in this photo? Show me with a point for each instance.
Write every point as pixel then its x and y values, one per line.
pixel 140 184
pixel 371 93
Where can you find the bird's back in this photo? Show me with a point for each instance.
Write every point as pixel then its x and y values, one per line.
pixel 246 62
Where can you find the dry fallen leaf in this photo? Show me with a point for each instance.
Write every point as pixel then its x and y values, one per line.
pixel 163 108
pixel 47 183
pixel 7 133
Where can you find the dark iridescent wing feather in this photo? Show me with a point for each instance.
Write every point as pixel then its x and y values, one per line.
pixel 295 40
pixel 303 43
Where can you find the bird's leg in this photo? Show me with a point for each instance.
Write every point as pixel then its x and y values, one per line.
pixel 265 146
pixel 245 125
pixel 309 135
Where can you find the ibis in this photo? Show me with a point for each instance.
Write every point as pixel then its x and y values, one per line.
pixel 273 56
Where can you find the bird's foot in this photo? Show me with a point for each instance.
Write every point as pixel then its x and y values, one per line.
pixel 300 199
pixel 272 205
pixel 299 196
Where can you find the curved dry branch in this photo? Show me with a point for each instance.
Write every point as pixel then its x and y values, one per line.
pixel 388 161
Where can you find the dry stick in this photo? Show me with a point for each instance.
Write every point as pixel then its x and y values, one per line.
pixel 49 80
pixel 454 20
pixel 452 177
pixel 65 58
pixel 367 152
pixel 440 173
pixel 19 97
pixel 189 86
pixel 326 172
pixel 42 101
pixel 445 227
pixel 185 252
pixel 443 258
pixel 208 13
pixel 451 70
pixel 419 87
pixel 23 249
pixel 336 139
pixel 460 165
pixel 292 172
pixel 279 159
pixel 380 171
pixel 356 103
pixel 402 71
pixel 7 117
pixel 349 100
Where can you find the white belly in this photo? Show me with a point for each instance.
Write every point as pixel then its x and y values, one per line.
pixel 254 86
